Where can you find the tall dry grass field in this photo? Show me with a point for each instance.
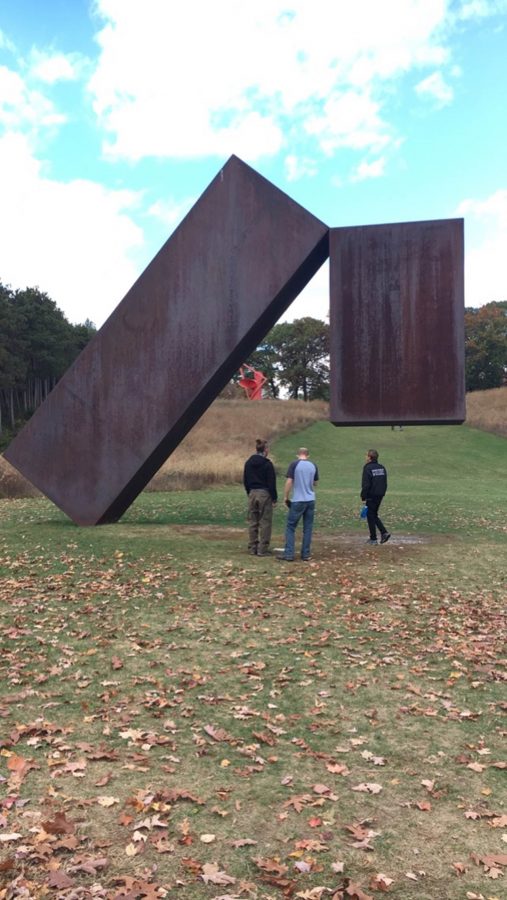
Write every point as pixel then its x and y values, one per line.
pixel 215 449
pixel 487 410
pixel 214 452
pixel 13 485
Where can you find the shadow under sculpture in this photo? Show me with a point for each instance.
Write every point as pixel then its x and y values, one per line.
pixel 204 303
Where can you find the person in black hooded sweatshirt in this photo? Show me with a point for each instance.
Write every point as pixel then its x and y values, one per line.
pixel 373 488
pixel 259 479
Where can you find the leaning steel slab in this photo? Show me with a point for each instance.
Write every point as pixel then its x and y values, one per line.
pixel 397 323
pixel 221 281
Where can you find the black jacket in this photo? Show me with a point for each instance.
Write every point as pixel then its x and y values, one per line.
pixel 374 483
pixel 259 474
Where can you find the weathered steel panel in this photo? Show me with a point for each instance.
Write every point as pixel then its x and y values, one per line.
pixel 397 324
pixel 207 299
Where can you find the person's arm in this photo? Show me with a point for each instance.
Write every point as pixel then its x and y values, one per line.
pixel 245 479
pixel 287 491
pixel 272 483
pixel 365 484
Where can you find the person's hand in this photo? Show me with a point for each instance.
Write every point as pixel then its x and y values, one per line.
pixel 288 504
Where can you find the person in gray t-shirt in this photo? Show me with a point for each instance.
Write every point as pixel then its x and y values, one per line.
pixel 301 477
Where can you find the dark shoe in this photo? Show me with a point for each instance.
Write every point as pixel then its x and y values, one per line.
pixel 253 552
pixel 305 558
pixel 285 558
pixel 371 541
pixel 385 537
pixel 264 553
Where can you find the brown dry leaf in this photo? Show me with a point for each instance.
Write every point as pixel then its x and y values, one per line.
pixel 106 802
pixel 312 846
pixel 243 842
pixel 303 867
pixel 499 822
pixel 476 767
pixel 211 874
pixel 102 782
pixel 59 880
pixel 338 867
pixel 19 766
pixel 355 893
pixel 116 662
pixel 59 825
pixel 494 872
pixel 337 769
pixel 424 805
pixel 368 787
pixel 207 838
pixel 218 734
pixel 89 865
pixel 459 868
pixel 429 785
pixel 273 866
pixel 321 789
pixel 265 738
pixel 381 882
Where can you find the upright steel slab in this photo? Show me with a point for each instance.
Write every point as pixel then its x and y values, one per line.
pixel 210 295
pixel 397 324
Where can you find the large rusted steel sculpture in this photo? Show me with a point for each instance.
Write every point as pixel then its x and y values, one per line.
pixel 397 332
pixel 224 277
pixel 204 303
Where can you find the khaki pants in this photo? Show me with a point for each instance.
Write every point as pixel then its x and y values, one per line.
pixel 260 517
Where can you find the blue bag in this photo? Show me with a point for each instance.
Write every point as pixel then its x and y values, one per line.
pixel 364 512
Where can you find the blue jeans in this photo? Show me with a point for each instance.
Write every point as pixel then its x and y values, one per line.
pixel 298 509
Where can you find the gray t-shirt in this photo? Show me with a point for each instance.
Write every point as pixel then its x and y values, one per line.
pixel 303 474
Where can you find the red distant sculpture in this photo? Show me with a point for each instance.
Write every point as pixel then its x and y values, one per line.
pixel 252 381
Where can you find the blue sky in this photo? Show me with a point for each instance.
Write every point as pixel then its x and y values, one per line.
pixel 116 114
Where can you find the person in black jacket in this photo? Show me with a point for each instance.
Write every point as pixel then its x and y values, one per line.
pixel 373 488
pixel 259 479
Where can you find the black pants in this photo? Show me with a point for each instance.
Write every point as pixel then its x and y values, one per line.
pixel 372 517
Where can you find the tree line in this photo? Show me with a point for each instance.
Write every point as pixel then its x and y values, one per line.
pixel 486 346
pixel 37 345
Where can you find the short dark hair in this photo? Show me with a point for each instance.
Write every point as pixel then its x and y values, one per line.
pixel 261 446
pixel 373 454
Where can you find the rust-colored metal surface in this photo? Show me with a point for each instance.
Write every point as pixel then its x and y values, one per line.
pixel 397 324
pixel 214 290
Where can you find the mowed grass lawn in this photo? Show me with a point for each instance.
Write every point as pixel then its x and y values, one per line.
pixel 181 719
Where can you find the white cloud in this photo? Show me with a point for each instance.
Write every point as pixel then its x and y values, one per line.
pixel 476 9
pixel 297 167
pixel 313 300
pixel 53 67
pixel 435 87
pixel 49 232
pixel 21 107
pixel 191 80
pixel 486 242
pixel 373 169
